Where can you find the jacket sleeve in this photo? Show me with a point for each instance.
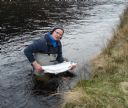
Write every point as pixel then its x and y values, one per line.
pixel 60 58
pixel 31 49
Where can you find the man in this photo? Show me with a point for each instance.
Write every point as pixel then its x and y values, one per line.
pixel 45 46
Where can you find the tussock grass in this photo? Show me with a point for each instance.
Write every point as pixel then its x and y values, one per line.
pixel 108 85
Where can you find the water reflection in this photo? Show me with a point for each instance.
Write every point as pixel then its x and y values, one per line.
pixel 45 86
pixel 50 83
pixel 18 17
pixel 21 16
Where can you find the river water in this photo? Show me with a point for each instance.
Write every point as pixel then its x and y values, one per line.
pixel 88 26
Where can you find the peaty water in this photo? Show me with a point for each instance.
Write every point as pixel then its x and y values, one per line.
pixel 88 26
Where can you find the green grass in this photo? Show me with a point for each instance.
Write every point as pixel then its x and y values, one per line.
pixel 108 85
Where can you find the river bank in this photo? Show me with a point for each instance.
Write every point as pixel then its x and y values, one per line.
pixel 107 87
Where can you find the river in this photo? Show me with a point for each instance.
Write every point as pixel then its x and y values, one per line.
pixel 88 26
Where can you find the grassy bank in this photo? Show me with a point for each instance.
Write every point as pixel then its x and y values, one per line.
pixel 108 85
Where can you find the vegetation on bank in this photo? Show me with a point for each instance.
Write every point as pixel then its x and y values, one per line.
pixel 108 85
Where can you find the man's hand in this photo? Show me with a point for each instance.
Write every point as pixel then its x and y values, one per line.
pixel 73 66
pixel 37 66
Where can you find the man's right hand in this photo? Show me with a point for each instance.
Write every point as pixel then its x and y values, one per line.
pixel 37 66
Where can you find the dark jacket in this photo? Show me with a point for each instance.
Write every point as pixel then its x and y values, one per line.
pixel 43 45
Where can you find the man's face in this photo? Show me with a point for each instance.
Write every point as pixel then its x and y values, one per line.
pixel 57 34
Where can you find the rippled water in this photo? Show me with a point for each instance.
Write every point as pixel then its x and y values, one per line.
pixel 88 26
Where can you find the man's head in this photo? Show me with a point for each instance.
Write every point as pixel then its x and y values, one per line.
pixel 57 33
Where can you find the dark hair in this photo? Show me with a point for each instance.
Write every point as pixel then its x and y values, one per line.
pixel 57 28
